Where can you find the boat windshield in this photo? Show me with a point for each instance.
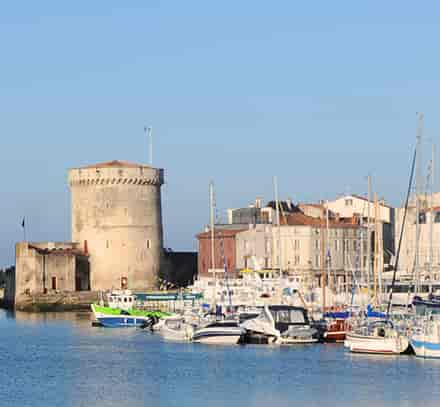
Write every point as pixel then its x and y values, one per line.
pixel 290 316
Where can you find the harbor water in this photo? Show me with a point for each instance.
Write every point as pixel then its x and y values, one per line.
pixel 59 359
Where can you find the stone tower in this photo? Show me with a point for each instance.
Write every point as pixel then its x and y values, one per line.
pixel 117 217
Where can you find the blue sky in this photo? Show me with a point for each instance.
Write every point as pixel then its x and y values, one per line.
pixel 318 93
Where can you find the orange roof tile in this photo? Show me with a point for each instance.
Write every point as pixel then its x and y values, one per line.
pixel 300 219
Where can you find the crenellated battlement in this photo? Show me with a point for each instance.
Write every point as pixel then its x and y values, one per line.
pixel 112 175
pixel 115 181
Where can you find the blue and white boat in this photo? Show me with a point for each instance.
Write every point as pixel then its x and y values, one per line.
pixel 425 339
pixel 225 332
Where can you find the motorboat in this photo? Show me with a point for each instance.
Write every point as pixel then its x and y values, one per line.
pixel 336 329
pixel 174 328
pixel 425 338
pixel 221 332
pixel 280 324
pixel 378 337
pixel 118 311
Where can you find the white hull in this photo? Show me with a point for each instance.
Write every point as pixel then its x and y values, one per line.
pixel 219 340
pixel 217 335
pixel 376 344
pixel 174 329
pixel 292 341
pixel 426 349
pixel 426 340
pixel 174 335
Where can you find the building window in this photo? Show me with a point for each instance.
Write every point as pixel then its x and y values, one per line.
pixel 349 202
pixel 107 244
pixel 148 243
pixel 422 217
pixel 317 261
pixel 317 244
pixel 336 245
pixel 54 283
pixel 437 217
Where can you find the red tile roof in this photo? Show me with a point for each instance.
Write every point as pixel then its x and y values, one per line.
pixel 300 219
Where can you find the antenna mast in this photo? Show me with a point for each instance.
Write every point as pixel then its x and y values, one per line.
pixel 149 133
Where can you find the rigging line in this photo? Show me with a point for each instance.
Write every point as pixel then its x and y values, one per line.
pixel 401 232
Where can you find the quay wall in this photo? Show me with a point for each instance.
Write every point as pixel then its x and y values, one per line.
pixel 63 301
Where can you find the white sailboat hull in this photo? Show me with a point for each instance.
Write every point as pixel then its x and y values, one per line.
pixel 376 344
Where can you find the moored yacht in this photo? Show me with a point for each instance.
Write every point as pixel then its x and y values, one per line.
pixel 281 324
pixel 380 337
pixel 174 328
pixel 425 339
pixel 224 332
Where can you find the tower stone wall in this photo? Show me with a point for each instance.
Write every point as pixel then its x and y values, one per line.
pixel 117 218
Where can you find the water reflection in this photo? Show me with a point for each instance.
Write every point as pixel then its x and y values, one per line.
pixel 60 359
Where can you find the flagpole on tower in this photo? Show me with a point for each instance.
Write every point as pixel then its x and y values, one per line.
pixel 23 225
pixel 149 133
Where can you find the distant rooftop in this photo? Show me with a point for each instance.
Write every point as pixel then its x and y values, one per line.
pixel 116 164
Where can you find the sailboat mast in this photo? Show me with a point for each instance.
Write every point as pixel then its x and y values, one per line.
pixel 368 265
pixel 376 252
pixel 327 243
pixel 431 217
pixel 418 195
pixel 277 214
pixel 212 223
pixel 322 260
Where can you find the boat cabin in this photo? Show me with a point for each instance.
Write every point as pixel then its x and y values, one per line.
pixel 124 300
pixel 287 315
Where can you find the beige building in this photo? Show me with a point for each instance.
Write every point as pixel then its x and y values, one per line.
pixel 304 248
pixel 407 258
pixel 381 218
pixel 48 268
pixel 117 216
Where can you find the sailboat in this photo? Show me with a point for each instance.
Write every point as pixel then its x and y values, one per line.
pixel 219 332
pixel 425 339
pixel 380 335
pixel 377 337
